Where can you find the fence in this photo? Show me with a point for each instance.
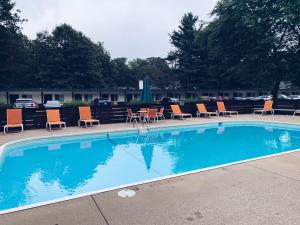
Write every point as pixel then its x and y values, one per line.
pixel 36 118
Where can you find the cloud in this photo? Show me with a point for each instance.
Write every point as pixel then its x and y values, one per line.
pixel 129 28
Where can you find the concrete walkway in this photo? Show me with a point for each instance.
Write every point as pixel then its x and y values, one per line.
pixel 259 192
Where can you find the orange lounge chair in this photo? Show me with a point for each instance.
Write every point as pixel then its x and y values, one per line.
pixel 132 116
pixel 268 107
pixel 202 110
pixel 222 109
pixel 160 114
pixel 85 116
pixel 14 119
pixel 176 111
pixel 53 118
pixel 152 114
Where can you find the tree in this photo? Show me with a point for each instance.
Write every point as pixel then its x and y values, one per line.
pixel 14 47
pixel 256 41
pixel 122 75
pixel 156 68
pixel 68 59
pixel 188 62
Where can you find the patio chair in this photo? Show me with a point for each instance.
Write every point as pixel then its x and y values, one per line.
pixel 297 111
pixel 14 119
pixel 222 110
pixel 53 118
pixel 85 116
pixel 203 111
pixel 152 115
pixel 160 114
pixel 268 107
pixel 176 111
pixel 131 116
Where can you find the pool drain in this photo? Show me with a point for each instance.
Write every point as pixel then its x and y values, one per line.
pixel 126 193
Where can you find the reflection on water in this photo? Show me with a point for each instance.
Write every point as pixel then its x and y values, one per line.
pixel 50 171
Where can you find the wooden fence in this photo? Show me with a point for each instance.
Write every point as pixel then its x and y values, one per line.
pixel 36 118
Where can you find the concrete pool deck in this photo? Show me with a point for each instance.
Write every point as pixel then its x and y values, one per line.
pixel 260 192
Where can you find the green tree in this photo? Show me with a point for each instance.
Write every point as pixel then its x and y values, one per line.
pixel 156 68
pixel 14 47
pixel 67 59
pixel 122 76
pixel 185 56
pixel 255 42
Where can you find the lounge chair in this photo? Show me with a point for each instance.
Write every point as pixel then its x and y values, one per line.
pixel 152 115
pixel 14 119
pixel 160 114
pixel 268 107
pixel 85 116
pixel 131 116
pixel 53 118
pixel 176 111
pixel 222 110
pixel 296 112
pixel 203 111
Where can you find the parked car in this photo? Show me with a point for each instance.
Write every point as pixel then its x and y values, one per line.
pixel 264 97
pixel 52 104
pixel 100 101
pixel 281 96
pixel 25 103
pixel 294 97
pixel 169 100
pixel 240 98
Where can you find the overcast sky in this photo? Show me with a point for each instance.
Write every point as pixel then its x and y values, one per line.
pixel 128 28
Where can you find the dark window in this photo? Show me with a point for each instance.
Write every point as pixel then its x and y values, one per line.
pixel 47 97
pixel 104 96
pixel 27 96
pixel 88 98
pixel 59 98
pixel 78 97
pixel 128 97
pixel 13 98
pixel 114 97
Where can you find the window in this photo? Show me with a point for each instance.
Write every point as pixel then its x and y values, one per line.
pixel 13 98
pixel 88 98
pixel 250 94
pixel 237 94
pixel 114 97
pixel 47 97
pixel 295 93
pixel 78 97
pixel 104 96
pixel 128 97
pixel 60 98
pixel 27 96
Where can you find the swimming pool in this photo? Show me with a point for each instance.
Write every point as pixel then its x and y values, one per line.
pixel 38 171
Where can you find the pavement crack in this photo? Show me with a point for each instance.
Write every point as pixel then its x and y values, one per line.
pixel 98 207
pixel 274 173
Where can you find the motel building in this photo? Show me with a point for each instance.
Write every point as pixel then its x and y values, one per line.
pixel 124 95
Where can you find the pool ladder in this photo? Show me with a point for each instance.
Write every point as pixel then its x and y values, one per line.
pixel 135 124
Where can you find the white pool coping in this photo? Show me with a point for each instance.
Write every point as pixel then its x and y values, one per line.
pixel 4 146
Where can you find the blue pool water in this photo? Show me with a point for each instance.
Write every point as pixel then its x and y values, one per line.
pixel 42 170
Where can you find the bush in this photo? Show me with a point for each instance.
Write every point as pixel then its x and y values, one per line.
pixel 76 103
